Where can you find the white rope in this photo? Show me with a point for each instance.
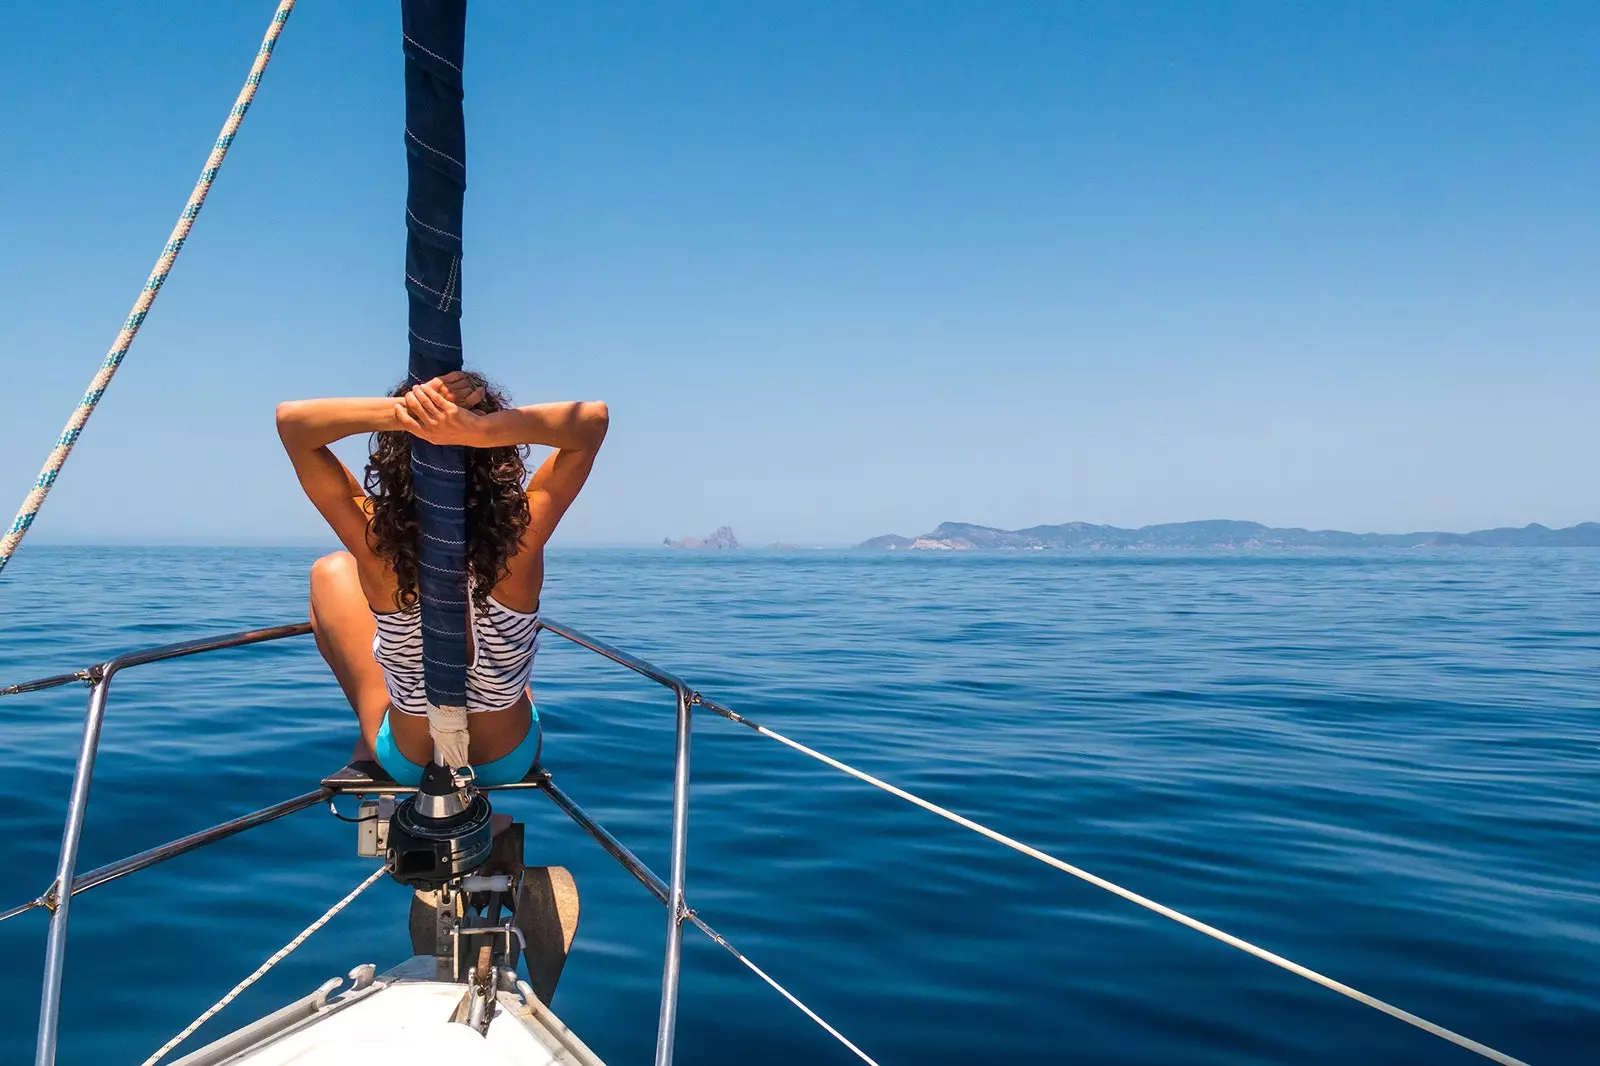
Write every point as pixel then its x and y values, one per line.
pixel 147 296
pixel 784 992
pixel 1148 904
pixel 264 967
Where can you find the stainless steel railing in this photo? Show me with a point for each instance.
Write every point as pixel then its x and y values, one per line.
pixel 58 898
pixel 677 909
pixel 673 894
pixel 98 678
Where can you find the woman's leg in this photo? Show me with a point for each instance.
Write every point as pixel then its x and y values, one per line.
pixel 344 627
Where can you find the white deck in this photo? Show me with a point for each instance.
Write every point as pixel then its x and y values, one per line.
pixel 406 1019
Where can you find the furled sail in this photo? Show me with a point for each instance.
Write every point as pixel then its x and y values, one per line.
pixel 436 178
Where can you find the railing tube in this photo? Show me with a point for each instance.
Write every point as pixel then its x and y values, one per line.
pixel 55 951
pixel 173 848
pixel 615 654
pixel 614 847
pixel 59 899
pixel 667 1026
pixel 183 845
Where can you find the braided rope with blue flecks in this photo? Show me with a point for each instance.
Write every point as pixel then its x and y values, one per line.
pixel 152 286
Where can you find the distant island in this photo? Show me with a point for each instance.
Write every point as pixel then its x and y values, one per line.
pixel 722 538
pixel 1221 534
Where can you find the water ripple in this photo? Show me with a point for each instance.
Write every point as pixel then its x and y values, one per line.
pixel 1382 765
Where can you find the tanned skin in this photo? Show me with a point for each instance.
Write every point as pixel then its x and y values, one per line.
pixel 348 587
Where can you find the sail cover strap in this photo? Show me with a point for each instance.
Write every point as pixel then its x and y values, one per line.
pixel 436 178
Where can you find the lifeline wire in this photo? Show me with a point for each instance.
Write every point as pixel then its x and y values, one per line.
pixel 261 970
pixel 1128 894
pixel 147 296
pixel 784 992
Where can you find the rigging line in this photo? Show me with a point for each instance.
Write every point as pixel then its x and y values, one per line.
pixel 147 296
pixel 22 908
pixel 47 682
pixel 784 992
pixel 264 967
pixel 1128 894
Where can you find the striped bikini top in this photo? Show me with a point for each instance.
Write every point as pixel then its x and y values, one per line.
pixel 503 645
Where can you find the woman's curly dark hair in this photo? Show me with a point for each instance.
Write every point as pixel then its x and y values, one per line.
pixel 497 505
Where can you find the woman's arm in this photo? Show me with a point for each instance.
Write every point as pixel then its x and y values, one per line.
pixel 432 412
pixel 575 430
pixel 440 411
pixel 306 428
pixel 578 430
pixel 574 426
pixel 305 425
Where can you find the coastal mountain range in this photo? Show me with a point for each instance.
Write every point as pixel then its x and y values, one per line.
pixel 1222 534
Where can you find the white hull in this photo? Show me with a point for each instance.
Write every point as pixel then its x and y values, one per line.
pixel 403 1017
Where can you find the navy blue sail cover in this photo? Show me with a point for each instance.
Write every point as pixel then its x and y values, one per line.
pixel 436 179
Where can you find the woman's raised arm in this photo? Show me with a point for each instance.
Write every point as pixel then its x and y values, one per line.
pixel 306 428
pixel 306 425
pixel 434 412
pixel 578 425
pixel 574 429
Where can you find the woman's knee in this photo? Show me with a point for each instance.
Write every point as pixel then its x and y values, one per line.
pixel 337 568
pixel 333 581
pixel 334 574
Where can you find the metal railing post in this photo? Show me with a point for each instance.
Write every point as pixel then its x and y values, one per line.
pixel 667 1027
pixel 55 951
pixel 59 898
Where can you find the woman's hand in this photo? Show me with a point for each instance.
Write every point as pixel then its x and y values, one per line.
pixel 462 390
pixel 440 411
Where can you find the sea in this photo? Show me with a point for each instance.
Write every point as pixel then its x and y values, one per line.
pixel 1382 765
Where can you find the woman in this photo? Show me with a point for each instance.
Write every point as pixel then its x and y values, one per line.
pixel 364 607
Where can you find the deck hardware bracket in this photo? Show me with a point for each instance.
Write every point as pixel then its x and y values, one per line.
pixel 324 990
pixel 362 976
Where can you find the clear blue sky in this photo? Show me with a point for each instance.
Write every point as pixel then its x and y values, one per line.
pixel 840 268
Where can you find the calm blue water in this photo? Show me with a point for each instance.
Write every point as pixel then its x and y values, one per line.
pixel 1384 766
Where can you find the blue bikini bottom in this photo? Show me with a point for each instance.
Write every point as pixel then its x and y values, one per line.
pixel 502 771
